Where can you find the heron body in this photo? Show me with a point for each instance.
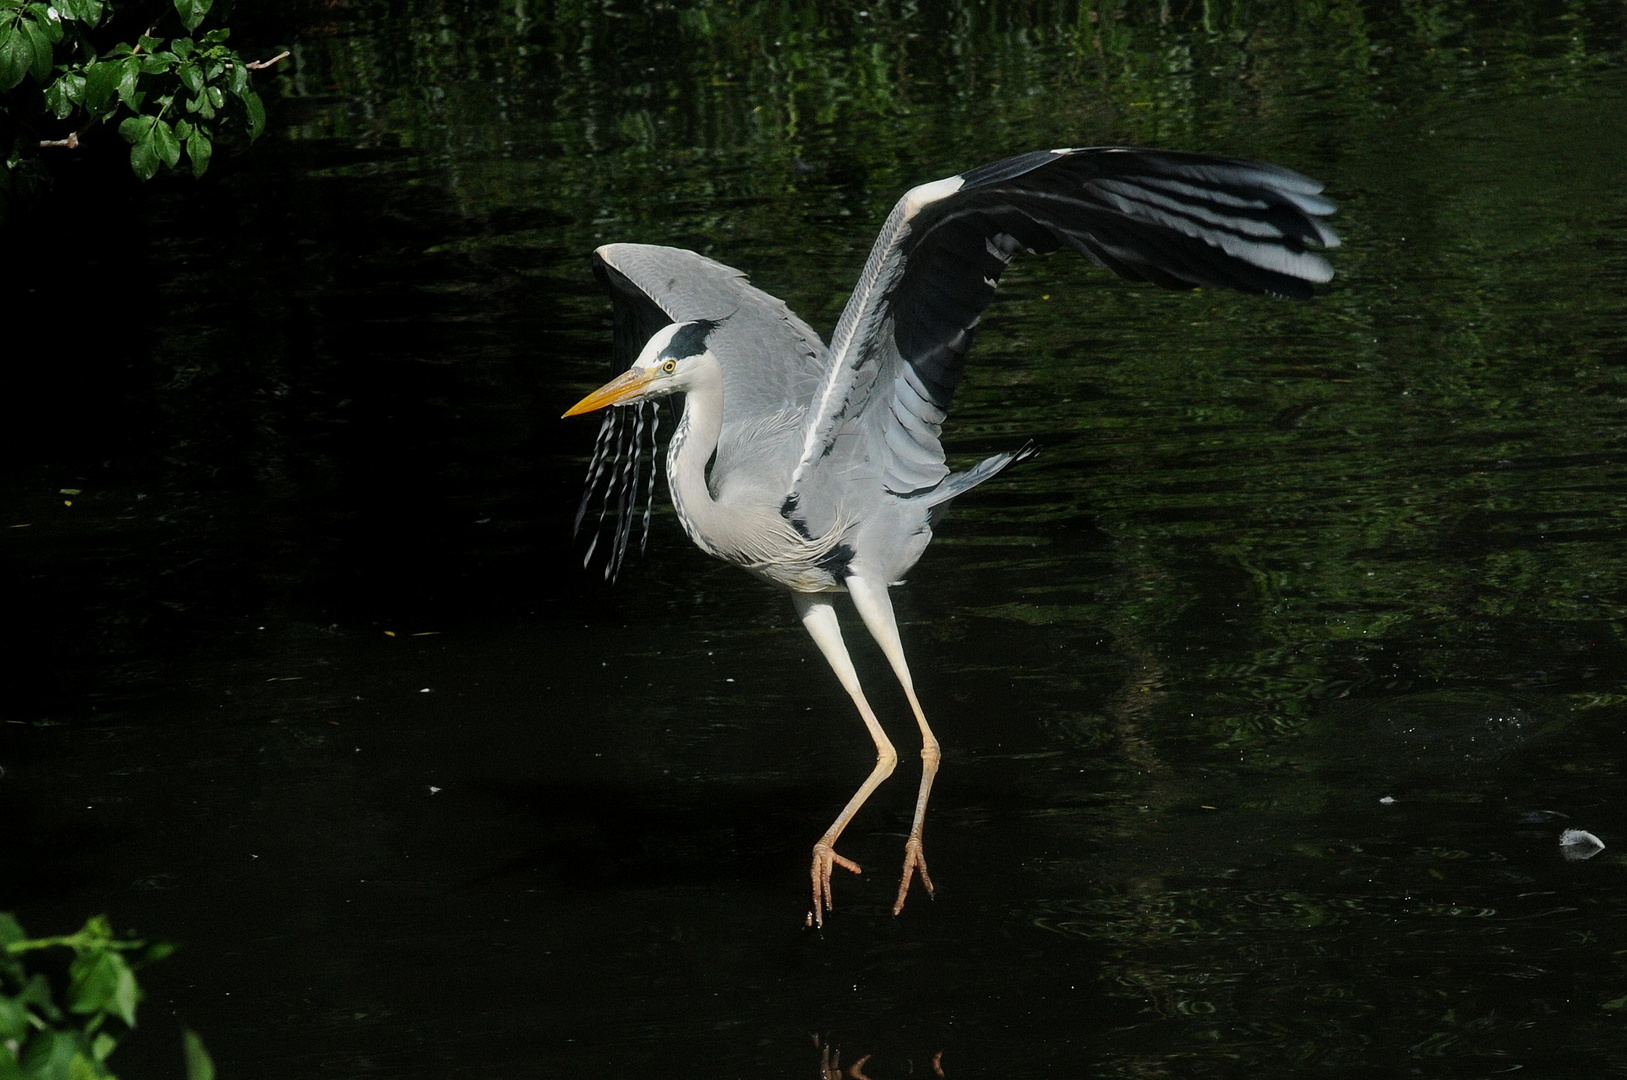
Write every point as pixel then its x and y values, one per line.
pixel 825 466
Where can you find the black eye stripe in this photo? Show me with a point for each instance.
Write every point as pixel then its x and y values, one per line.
pixel 690 340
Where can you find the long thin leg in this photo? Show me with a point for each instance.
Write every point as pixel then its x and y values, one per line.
pixel 876 609
pixel 819 616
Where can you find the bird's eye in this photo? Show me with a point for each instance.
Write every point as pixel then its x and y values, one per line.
pixel 670 366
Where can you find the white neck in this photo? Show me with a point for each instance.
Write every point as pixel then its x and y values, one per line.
pixel 749 535
pixel 692 446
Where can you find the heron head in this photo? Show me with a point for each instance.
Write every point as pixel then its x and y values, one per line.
pixel 666 365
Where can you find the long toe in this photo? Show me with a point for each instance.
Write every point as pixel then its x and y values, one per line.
pixel 914 859
pixel 825 860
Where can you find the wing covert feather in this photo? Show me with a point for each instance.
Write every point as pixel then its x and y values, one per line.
pixel 772 361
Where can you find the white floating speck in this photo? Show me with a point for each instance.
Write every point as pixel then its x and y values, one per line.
pixel 1579 844
pixel 1388 800
pixel 433 789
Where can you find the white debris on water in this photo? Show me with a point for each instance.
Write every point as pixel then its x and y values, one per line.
pixel 1579 844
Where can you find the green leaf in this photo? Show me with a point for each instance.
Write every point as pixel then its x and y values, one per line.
pixel 16 54
pixel 48 20
pixel 256 111
pixel 182 47
pixel 38 994
pixel 50 1055
pixel 134 128
pixel 63 95
pixel 85 11
pixel 217 96
pixel 166 144
pixel 101 79
pixel 183 130
pixel 198 1065
pixel 102 1046
pixel 83 1068
pixel 14 1018
pixel 192 12
pixel 190 76
pixel 200 150
pixel 93 981
pixel 144 159
pixel 40 66
pixel 129 76
pixel 194 103
pixel 11 931
pixel 128 995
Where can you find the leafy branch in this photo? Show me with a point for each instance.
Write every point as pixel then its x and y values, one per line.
pixel 172 96
pixel 40 1040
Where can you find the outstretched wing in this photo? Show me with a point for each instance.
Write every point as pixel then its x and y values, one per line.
pixel 1178 220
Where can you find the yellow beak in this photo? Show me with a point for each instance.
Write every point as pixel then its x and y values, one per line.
pixel 624 387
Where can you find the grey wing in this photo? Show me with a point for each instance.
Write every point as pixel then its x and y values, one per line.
pixel 770 357
pixel 771 360
pixel 1178 220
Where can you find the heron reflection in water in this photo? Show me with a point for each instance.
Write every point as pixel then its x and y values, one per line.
pixel 826 470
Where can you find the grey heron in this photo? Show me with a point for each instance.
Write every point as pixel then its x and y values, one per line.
pixel 826 470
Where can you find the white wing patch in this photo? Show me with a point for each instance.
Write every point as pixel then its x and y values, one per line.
pixel 916 198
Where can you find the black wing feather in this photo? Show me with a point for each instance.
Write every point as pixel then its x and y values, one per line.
pixel 1176 220
pixel 636 316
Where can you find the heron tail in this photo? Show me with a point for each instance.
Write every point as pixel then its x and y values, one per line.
pixel 957 484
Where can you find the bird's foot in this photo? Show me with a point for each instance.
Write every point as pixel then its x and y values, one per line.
pixel 825 860
pixel 914 859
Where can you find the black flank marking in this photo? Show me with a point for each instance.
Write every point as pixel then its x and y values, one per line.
pixel 836 563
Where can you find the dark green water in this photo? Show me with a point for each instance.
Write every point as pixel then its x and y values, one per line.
pixel 1265 692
